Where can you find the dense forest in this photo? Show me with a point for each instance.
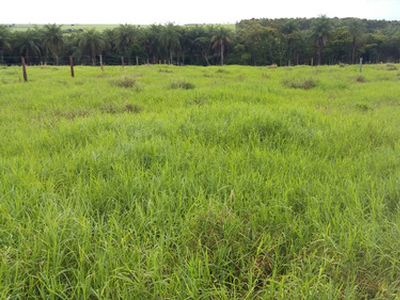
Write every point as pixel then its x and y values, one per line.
pixel 320 40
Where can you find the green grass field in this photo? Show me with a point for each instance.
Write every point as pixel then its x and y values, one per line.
pixel 164 182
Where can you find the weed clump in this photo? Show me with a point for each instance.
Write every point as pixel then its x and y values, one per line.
pixel 165 71
pixel 222 71
pixel 300 84
pixel 72 114
pixel 222 233
pixel 132 108
pixel 181 84
pixel 241 77
pixel 391 67
pixel 361 79
pixel 125 82
pixel 266 75
pixel 196 101
pixel 362 107
pixel 206 75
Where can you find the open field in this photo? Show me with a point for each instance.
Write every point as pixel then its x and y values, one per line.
pixel 200 183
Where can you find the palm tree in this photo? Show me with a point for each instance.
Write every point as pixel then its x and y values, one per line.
pixel 291 32
pixel 28 44
pixel 125 37
pixel 357 30
pixel 151 42
pixel 321 29
pixel 221 38
pixel 4 41
pixel 170 38
pixel 52 39
pixel 92 42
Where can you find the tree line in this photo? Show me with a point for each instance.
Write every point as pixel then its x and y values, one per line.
pixel 320 40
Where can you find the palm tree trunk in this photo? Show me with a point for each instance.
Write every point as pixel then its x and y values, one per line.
pixel 319 54
pixel 353 54
pixel 222 54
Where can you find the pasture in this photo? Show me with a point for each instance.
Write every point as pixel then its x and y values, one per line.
pixel 200 182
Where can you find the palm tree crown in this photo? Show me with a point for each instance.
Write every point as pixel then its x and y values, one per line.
pixel 321 30
pixel 221 37
pixel 170 37
pixel 52 39
pixel 92 42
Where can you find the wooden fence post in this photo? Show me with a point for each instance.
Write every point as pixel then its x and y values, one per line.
pixel 361 62
pixel 24 69
pixel 137 61
pixel 71 64
pixel 122 61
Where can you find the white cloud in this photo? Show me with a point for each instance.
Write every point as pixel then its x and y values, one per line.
pixel 182 12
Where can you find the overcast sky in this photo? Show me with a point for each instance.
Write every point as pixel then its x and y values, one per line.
pixel 186 11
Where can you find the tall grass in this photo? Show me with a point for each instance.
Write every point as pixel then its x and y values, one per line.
pixel 240 188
